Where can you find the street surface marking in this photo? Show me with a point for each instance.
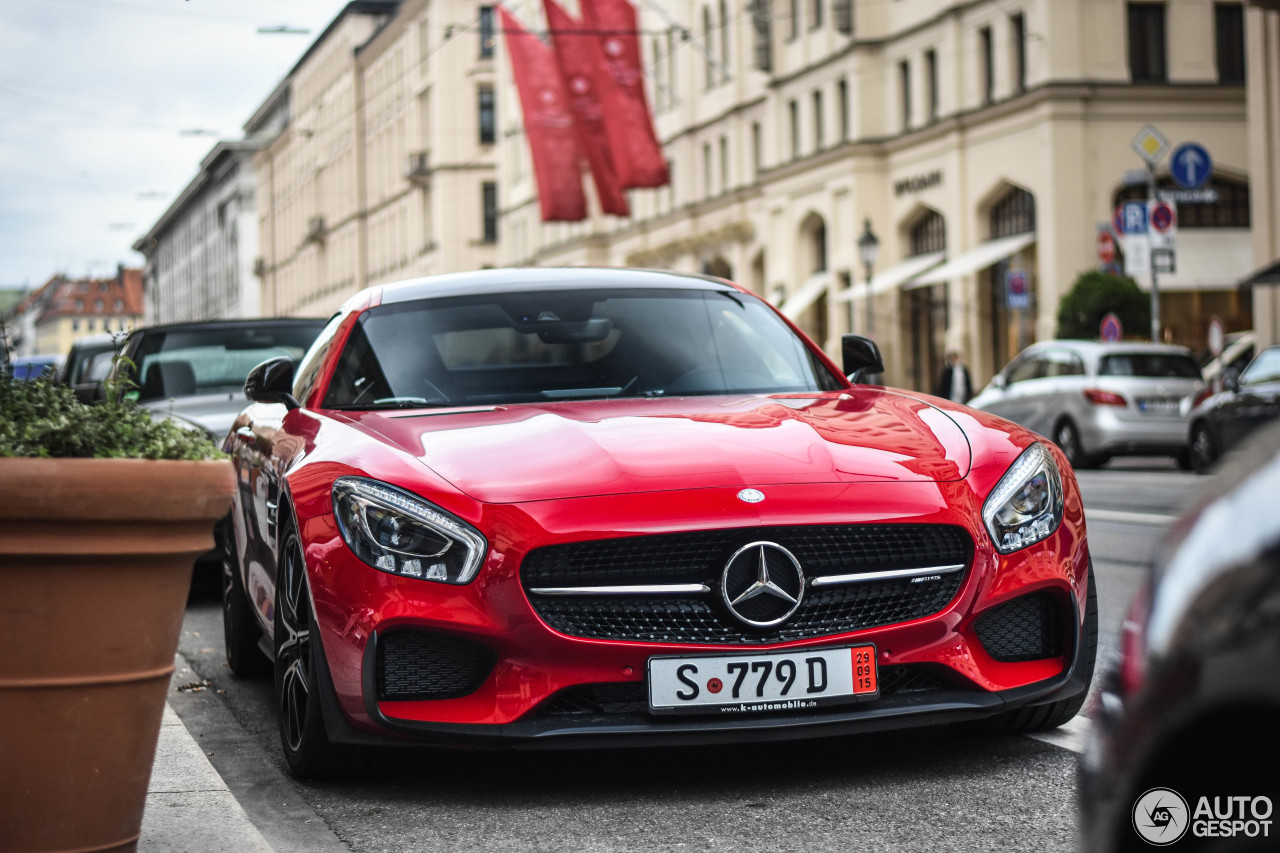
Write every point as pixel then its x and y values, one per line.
pixel 1070 735
pixel 1129 517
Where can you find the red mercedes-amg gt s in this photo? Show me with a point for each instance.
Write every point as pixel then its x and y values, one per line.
pixel 595 506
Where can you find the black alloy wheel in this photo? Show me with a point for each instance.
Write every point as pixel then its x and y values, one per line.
pixel 1204 450
pixel 239 626
pixel 1067 437
pixel 307 748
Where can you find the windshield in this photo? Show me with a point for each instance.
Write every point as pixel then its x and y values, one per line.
pixel 1149 364
pixel 214 360
pixel 566 345
pixel 1264 368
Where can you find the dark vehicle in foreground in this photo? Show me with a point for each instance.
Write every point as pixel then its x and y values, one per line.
pixel 573 507
pixel 1185 743
pixel 1221 422
pixel 195 372
pixel 88 363
pixel 1097 400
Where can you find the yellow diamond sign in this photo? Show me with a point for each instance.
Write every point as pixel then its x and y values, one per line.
pixel 1149 143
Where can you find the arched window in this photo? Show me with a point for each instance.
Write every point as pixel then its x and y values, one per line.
pixel 1014 213
pixel 929 234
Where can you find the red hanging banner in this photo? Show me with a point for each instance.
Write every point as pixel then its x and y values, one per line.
pixel 637 154
pixel 580 56
pixel 548 124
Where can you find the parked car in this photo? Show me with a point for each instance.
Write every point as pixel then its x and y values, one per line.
pixel 88 362
pixel 1184 741
pixel 1098 400
pixel 26 367
pixel 1223 420
pixel 612 507
pixel 195 372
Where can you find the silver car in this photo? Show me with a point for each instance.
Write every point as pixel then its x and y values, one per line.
pixel 1098 400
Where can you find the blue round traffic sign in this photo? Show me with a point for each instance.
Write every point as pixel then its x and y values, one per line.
pixel 1190 166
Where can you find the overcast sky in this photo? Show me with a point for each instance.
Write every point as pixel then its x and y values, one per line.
pixel 94 96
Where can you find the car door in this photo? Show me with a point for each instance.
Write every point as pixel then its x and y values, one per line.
pixel 1256 401
pixel 1023 389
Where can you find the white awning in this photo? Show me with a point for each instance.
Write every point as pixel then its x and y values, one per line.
pixel 810 292
pixel 977 258
pixel 893 276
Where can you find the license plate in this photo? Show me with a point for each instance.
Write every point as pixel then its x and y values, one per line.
pixel 767 681
pixel 1159 407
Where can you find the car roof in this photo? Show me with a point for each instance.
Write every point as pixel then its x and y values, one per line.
pixel 533 279
pixel 1101 348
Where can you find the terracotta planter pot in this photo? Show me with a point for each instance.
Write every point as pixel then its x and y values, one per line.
pixel 95 567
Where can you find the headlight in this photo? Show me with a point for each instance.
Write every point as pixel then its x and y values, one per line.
pixel 401 534
pixel 1025 507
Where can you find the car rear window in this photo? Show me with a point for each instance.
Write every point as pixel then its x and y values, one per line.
pixel 1149 364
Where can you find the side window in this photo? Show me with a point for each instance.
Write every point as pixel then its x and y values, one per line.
pixel 304 380
pixel 1030 367
pixel 1062 363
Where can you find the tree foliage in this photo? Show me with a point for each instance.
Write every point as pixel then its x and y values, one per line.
pixel 1097 294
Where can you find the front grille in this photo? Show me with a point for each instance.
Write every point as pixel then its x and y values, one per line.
pixel 699 558
pixel 1026 628
pixel 423 665
pixel 632 697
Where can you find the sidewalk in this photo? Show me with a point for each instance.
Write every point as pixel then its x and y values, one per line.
pixel 189 807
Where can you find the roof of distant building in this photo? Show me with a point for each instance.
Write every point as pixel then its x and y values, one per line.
pixel 94 297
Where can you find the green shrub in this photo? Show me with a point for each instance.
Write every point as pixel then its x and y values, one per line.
pixel 1097 294
pixel 42 418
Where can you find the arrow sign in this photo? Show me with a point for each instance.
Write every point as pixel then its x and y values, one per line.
pixel 1190 166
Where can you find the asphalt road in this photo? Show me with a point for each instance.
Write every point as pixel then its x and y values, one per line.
pixel 934 789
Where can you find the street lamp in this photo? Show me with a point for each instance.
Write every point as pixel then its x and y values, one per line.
pixel 868 248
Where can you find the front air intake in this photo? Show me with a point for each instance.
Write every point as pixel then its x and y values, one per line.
pixel 1026 628
pixel 424 665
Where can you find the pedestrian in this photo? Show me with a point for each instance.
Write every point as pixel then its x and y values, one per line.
pixel 954 383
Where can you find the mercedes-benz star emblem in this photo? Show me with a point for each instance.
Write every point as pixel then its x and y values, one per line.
pixel 751 496
pixel 762 584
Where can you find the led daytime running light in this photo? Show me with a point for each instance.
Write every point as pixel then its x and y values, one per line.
pixel 1023 530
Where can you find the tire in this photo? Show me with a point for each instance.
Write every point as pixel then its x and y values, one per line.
pixel 1038 718
pixel 307 749
pixel 1067 436
pixel 1203 449
pixel 239 625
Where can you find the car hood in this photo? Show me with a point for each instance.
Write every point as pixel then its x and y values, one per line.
pixel 564 450
pixel 213 413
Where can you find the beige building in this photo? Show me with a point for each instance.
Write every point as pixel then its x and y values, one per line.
pixel 977 138
pixel 80 307
pixel 1264 164
pixel 382 166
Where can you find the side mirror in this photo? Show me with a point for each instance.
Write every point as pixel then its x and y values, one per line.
pixel 998 382
pixel 861 357
pixel 1231 380
pixel 272 382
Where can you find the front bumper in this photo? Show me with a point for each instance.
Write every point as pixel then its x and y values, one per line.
pixel 537 669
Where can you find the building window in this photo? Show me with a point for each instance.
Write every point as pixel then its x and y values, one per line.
pixel 489 196
pixel 931 78
pixel 1014 213
pixel 842 108
pixel 761 35
pixel 819 132
pixel 929 234
pixel 724 164
pixel 794 32
pixel 793 108
pixel 987 58
pixel 708 53
pixel 119 305
pixel 671 66
pixel 815 14
pixel 1147 43
pixel 75 324
pixel 1229 21
pixel 659 89
pixel 757 148
pixel 725 32
pixel 486 32
pixel 842 14
pixel 488 126
pixel 904 81
pixel 1018 41
pixel 706 168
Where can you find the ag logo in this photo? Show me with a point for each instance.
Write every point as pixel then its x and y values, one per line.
pixel 1161 817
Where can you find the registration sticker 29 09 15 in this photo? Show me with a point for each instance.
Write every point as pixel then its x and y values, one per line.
pixel 765 681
